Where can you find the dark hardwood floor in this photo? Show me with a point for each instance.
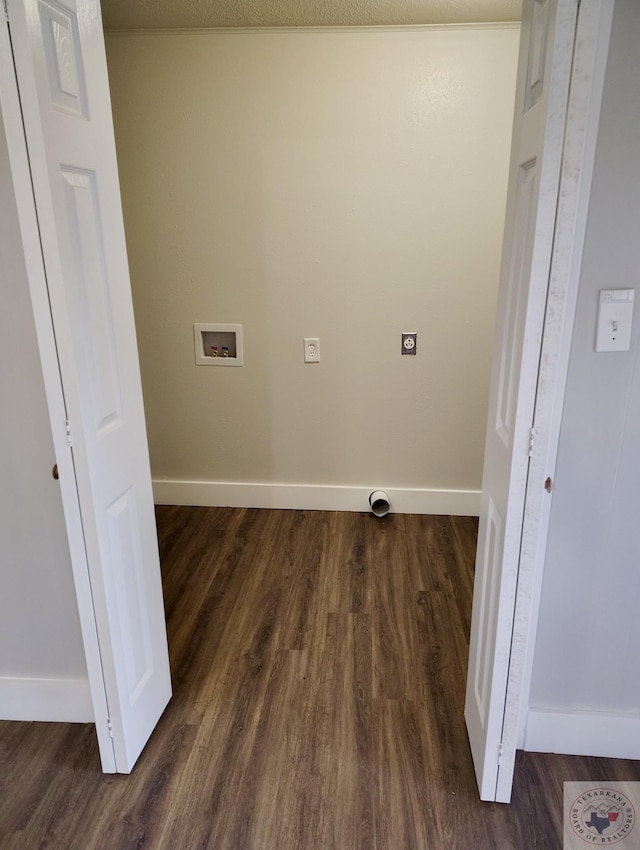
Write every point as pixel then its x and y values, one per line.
pixel 319 665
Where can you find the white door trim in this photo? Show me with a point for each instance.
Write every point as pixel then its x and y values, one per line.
pixel 28 220
pixel 542 92
pixel 61 72
pixel 495 716
pixel 583 115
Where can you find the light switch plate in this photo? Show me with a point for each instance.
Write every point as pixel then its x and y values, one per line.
pixel 615 312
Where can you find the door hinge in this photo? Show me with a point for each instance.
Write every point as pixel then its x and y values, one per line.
pixel 5 10
pixel 532 440
pixel 500 755
pixel 68 430
pixel 109 724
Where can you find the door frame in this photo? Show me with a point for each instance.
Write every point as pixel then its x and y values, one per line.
pixel 580 138
pixel 30 233
pixel 581 132
pixel 590 52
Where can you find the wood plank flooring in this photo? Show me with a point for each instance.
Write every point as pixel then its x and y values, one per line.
pixel 319 665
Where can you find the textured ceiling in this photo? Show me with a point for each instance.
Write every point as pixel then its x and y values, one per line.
pixel 168 14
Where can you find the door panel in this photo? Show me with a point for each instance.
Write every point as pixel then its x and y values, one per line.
pixel 62 78
pixel 515 313
pixel 546 50
pixel 87 292
pixel 62 50
pixel 534 86
pixel 490 587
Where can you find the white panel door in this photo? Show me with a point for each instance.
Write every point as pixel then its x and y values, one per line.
pixel 546 48
pixel 62 79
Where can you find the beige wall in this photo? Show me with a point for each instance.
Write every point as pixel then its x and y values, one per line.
pixel 348 185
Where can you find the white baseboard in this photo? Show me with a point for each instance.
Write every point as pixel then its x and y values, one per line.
pixel 312 497
pixel 50 700
pixel 582 733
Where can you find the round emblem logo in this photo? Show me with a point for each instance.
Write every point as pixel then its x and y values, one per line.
pixel 602 816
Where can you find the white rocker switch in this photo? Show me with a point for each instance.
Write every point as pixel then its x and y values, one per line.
pixel 615 312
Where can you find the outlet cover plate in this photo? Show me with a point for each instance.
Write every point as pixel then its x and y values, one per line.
pixel 409 342
pixel 311 349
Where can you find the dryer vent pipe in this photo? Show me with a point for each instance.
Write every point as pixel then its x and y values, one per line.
pixel 380 503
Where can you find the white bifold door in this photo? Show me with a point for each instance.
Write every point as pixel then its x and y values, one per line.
pixel 65 176
pixel 561 68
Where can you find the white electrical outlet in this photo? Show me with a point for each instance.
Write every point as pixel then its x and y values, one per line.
pixel 311 350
